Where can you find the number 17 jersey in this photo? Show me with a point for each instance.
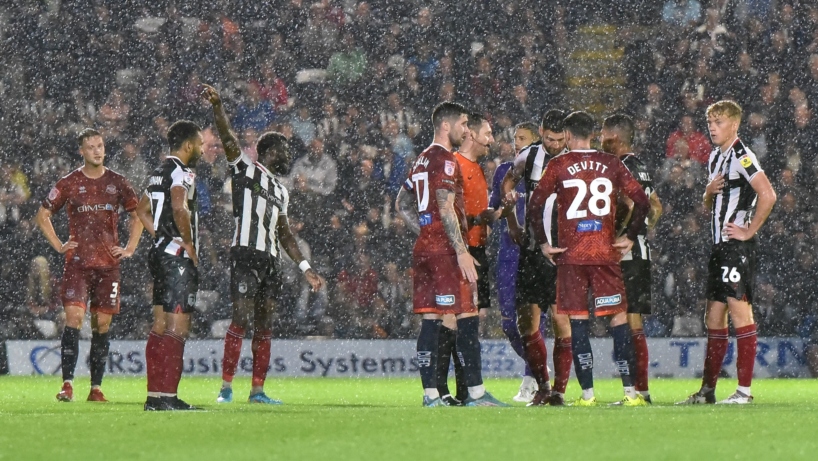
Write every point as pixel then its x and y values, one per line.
pixel 436 169
pixel 585 185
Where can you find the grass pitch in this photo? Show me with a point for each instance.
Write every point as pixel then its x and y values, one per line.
pixel 342 419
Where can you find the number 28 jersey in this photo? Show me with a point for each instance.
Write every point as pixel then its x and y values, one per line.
pixel 583 185
pixel 172 173
pixel 436 169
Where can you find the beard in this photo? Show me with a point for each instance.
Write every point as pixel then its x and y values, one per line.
pixel 456 142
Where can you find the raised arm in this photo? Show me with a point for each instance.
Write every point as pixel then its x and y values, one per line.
pixel 290 245
pixel 405 204
pixel 445 203
pixel 229 141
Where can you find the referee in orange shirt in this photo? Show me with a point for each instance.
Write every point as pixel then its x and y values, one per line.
pixel 478 215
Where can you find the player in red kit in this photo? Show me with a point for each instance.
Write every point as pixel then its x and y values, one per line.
pixel 93 197
pixel 584 185
pixel 444 271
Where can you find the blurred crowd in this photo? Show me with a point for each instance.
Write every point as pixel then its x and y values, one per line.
pixel 352 85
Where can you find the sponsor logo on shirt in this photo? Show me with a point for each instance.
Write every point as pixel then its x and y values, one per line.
pixel 53 194
pixel 97 207
pixel 745 161
pixel 188 178
pixel 425 219
pixel 591 225
pixel 444 300
pixel 82 189
pixel 448 168
pixel 111 189
pixel 608 301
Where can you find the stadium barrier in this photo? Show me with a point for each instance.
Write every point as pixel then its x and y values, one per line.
pixel 670 358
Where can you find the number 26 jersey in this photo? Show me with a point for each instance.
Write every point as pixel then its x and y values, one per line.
pixel 436 169
pixel 584 186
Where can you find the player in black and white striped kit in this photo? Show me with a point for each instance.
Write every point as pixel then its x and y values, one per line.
pixel 617 139
pixel 737 185
pixel 168 212
pixel 260 212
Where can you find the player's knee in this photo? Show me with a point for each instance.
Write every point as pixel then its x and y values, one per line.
pixel 562 326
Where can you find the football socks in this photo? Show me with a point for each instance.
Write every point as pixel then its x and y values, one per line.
pixel 562 363
pixel 642 360
pixel 746 341
pixel 468 347
pixel 154 361
pixel 427 348
pixel 623 353
pixel 516 341
pixel 232 352
pixel 713 360
pixel 69 349
pixel 537 358
pixel 99 353
pixel 174 357
pixel 583 354
pixel 261 357
pixel 445 349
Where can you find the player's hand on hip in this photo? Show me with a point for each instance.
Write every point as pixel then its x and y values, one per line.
pixel 550 251
pixel 736 232
pixel 69 245
pixel 315 280
pixel 211 95
pixel 466 262
pixel 191 251
pixel 623 244
pixel 121 253
pixel 716 185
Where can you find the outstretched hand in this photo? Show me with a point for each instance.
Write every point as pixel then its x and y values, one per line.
pixel 211 95
pixel 550 251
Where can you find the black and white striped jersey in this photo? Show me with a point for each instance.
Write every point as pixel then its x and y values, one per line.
pixel 171 173
pixel 641 247
pixel 258 201
pixel 536 158
pixel 736 201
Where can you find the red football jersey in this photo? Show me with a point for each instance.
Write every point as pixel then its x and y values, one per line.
pixel 93 207
pixel 587 184
pixel 435 169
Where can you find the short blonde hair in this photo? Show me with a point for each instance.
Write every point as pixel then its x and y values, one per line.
pixel 725 107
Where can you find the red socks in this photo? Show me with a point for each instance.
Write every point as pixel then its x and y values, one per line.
pixel 261 356
pixel 232 351
pixel 154 361
pixel 563 359
pixel 716 350
pixel 174 358
pixel 537 357
pixel 640 352
pixel 746 340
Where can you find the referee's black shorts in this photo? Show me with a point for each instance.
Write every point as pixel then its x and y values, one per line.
pixel 636 275
pixel 731 271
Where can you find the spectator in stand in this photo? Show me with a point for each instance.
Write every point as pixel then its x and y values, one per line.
pixel 273 89
pixel 698 143
pixel 255 112
pixel 318 171
pixel 356 296
pixel 681 14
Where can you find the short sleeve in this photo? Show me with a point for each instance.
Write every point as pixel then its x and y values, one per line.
pixel 748 166
pixel 57 196
pixel 183 178
pixel 128 198
pixel 241 162
pixel 285 201
pixel 443 173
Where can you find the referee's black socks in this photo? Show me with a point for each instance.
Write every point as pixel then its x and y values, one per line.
pixel 69 350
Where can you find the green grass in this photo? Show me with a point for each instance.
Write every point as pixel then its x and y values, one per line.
pixel 382 419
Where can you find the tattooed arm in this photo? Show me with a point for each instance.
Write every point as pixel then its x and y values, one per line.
pixel 405 205
pixel 445 203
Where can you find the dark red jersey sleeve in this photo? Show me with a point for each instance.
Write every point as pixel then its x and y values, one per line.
pixel 57 196
pixel 128 198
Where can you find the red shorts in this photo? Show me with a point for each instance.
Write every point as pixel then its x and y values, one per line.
pixel 100 286
pixel 574 282
pixel 439 287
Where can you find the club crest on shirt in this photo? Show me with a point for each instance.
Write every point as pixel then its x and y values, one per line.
pixel 745 161
pixel 82 189
pixel 53 194
pixel 111 189
pixel 448 168
pixel 188 178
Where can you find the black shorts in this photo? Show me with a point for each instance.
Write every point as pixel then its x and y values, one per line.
pixel 636 275
pixel 254 276
pixel 536 279
pixel 731 271
pixel 175 282
pixel 483 282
